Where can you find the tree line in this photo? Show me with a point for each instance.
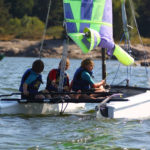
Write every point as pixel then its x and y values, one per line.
pixel 26 18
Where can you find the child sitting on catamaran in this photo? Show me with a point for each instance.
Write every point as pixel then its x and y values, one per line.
pixel 54 76
pixel 83 80
pixel 31 81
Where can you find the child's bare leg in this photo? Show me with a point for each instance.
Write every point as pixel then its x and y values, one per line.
pixel 77 96
pixel 98 90
pixel 46 93
pixel 39 96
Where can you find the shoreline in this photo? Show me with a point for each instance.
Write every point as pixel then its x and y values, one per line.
pixel 54 48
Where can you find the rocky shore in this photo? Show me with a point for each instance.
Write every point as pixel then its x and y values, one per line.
pixel 54 48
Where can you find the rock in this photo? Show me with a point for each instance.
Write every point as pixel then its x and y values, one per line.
pixel 54 48
pixel 145 63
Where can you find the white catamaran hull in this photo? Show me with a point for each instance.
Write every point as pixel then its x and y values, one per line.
pixel 39 108
pixel 137 107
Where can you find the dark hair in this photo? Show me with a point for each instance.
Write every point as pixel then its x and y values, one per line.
pixel 86 62
pixel 38 66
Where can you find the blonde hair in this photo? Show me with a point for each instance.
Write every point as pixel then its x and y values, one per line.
pixel 67 62
pixel 86 62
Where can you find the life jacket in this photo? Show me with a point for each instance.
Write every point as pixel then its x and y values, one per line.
pixel 33 86
pixel 78 83
pixel 54 74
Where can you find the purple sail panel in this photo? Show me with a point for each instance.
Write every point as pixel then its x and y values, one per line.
pixel 86 13
pixel 71 27
pixel 86 9
pixel 107 31
pixel 106 39
pixel 83 26
pixel 107 15
pixel 68 12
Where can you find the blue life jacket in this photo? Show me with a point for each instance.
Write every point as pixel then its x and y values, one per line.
pixel 56 76
pixel 78 82
pixel 34 86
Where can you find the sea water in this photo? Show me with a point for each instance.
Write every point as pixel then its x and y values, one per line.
pixel 79 132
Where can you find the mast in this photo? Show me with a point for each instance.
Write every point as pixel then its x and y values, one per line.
pixel 103 64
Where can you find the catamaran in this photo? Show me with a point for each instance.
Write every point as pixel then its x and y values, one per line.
pixel 89 24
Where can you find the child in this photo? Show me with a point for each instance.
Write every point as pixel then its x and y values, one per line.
pixel 31 81
pixel 54 76
pixel 83 81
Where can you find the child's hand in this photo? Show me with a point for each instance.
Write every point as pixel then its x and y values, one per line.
pixel 26 93
pixel 103 82
pixel 66 88
pixel 54 83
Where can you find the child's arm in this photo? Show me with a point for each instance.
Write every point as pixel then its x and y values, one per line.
pixel 67 87
pixel 99 84
pixel 25 91
pixel 70 86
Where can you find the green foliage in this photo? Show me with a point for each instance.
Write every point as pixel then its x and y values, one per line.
pixel 2 30
pixel 4 14
pixel 14 25
pixel 144 17
pixel 19 8
pixel 56 11
pixel 117 22
pixel 27 27
pixel 56 17
pixel 117 17
pixel 55 32
pixel 24 18
pixel 31 27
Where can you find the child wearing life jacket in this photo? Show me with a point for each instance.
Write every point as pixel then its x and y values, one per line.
pixel 54 76
pixel 31 81
pixel 83 80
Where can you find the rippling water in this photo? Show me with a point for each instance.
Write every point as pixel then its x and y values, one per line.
pixel 70 132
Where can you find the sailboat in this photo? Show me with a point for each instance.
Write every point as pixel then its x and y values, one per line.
pixel 89 24
pixel 1 56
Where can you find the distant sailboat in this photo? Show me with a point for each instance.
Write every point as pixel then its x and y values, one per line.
pixel 1 56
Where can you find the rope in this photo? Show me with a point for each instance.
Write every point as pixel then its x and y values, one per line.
pixel 44 33
pixel 119 63
pixel 145 54
pixel 128 71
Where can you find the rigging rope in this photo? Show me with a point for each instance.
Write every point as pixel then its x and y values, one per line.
pixel 44 33
pixel 119 63
pixel 145 55
pixel 127 36
pixel 127 41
